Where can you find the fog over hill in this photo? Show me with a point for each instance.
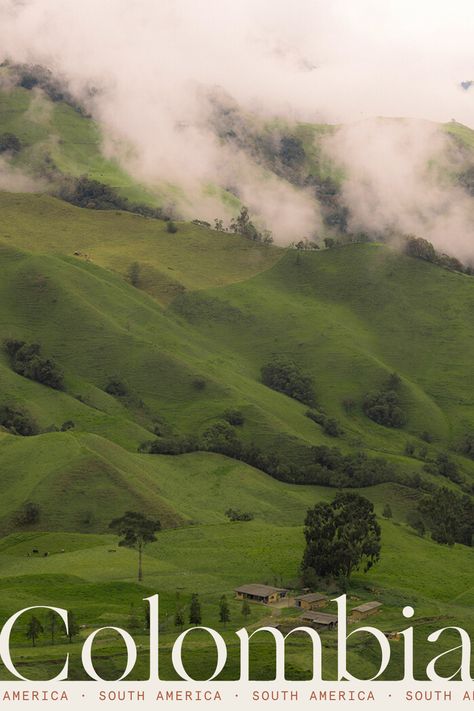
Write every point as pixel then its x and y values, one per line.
pixel 146 72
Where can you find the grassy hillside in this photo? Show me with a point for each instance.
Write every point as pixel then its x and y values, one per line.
pixel 184 323
pixel 349 316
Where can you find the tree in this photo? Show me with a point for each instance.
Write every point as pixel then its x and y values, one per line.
pixel 285 376
pixel 52 624
pixel 133 274
pixel 72 628
pixel 195 617
pixel 415 520
pixel 387 511
pixel 224 610
pixel 30 514
pixel 420 248
pixel 246 612
pixel 34 629
pixel 179 619
pixel 341 536
pixel 171 227
pixel 135 531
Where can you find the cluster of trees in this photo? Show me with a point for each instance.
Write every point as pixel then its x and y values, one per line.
pixel 243 225
pixel 330 425
pixel 9 143
pixel 285 376
pixel 466 179
pixel 52 625
pixel 317 465
pixel 341 537
pixel 423 249
pixel 448 516
pixel 445 466
pixel 17 421
pixel 383 406
pixel 94 195
pixel 29 76
pixel 195 612
pixel 116 387
pixel 333 468
pixel 26 360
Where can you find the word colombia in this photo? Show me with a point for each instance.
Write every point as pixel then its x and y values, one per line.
pixel 464 648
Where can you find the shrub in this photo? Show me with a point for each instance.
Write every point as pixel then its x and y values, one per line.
pixel 26 360
pixel 330 426
pixel 30 514
pixel 233 417
pixel 285 376
pixel 17 421
pixel 446 467
pixel 199 383
pixel 383 407
pixel 467 445
pixel 133 274
pixel 68 425
pixel 387 511
pixel 171 227
pixel 420 248
pixel 235 515
pixel 116 388
pixel 9 143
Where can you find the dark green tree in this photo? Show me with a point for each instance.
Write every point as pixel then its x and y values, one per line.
pixel 341 536
pixel 135 531
pixel 285 376
pixel 224 610
pixel 246 612
pixel 34 629
pixel 179 619
pixel 133 274
pixel 72 628
pixel 387 511
pixel 52 624
pixel 195 616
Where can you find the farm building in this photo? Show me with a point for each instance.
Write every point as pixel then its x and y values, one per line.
pixel 319 619
pixel 311 601
pixel 260 593
pixel 366 609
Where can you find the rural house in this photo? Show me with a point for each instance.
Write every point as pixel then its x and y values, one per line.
pixel 364 610
pixel 319 620
pixel 311 601
pixel 260 593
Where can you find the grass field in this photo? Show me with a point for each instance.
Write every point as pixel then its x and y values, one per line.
pixel 188 342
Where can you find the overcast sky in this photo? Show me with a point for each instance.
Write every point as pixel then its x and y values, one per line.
pixel 339 60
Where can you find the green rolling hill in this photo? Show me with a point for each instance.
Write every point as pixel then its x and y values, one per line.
pixel 186 338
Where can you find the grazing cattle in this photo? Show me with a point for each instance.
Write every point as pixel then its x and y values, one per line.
pixel 35 550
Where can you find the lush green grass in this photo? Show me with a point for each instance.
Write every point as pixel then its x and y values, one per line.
pixel 350 316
